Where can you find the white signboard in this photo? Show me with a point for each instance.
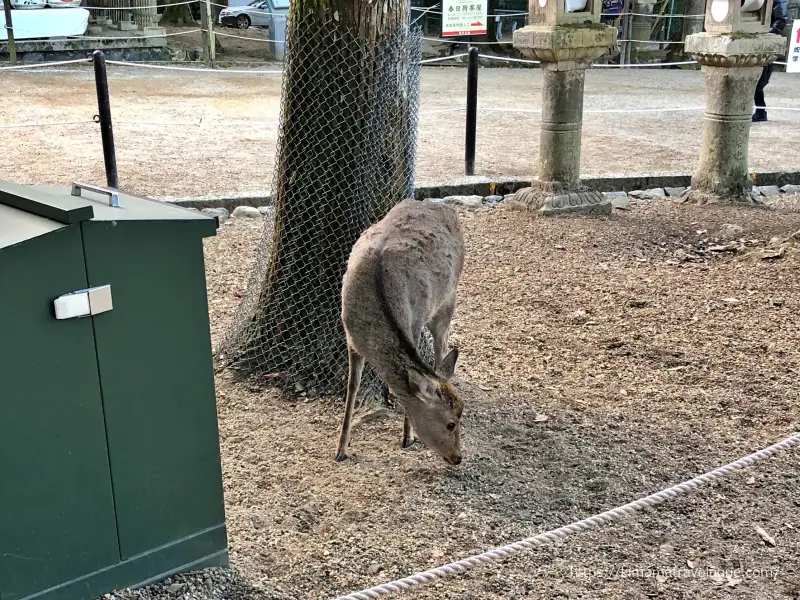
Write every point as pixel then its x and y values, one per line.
pixel 793 59
pixel 464 17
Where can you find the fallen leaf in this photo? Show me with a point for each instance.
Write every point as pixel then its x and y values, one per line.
pixel 730 300
pixel 768 539
pixel 691 564
pixel 661 579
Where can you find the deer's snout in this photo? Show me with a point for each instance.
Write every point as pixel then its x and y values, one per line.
pixel 454 460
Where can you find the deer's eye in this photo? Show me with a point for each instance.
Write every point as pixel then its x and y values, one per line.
pixel 451 426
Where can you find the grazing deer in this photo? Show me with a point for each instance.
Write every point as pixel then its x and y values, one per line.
pixel 402 275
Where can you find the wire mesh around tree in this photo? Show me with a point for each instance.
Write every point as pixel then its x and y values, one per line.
pixel 346 155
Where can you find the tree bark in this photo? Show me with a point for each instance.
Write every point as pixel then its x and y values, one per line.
pixel 339 168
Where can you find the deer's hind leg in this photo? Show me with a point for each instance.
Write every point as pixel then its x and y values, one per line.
pixel 355 370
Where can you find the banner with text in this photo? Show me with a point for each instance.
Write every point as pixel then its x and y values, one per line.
pixel 464 17
pixel 793 59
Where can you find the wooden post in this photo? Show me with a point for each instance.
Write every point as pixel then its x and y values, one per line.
pixel 12 44
pixel 624 55
pixel 207 24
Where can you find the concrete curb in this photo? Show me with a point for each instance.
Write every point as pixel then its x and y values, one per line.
pixel 488 186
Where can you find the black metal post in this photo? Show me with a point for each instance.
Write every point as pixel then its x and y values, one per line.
pixel 12 43
pixel 472 111
pixel 104 113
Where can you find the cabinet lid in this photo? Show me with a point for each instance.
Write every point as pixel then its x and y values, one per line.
pixel 59 205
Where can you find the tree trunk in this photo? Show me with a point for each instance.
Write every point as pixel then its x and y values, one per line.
pixel 176 14
pixel 345 157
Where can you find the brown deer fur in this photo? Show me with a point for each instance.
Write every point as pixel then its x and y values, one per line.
pixel 403 275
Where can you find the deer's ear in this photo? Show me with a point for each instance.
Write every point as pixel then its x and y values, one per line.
pixel 448 366
pixel 417 382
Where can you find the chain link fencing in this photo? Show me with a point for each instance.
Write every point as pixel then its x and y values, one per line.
pixel 345 156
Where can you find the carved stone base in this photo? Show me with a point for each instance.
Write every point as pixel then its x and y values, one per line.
pixel 550 199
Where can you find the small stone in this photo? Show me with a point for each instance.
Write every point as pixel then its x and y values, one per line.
pixel 729 231
pixel 655 193
pixel 791 189
pixel 621 202
pixel 433 200
pixel 674 192
pixel 636 194
pixel 374 569
pixel 174 588
pixel 638 303
pixel 246 212
pixel 612 195
pixel 775 242
pixel 221 214
pixel 579 317
pixel 492 200
pixel 768 190
pixel 470 201
pixel 508 197
pixel 681 255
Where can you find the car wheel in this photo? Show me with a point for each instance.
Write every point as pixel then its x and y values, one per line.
pixel 243 22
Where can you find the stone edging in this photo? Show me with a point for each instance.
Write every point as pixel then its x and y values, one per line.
pixel 501 186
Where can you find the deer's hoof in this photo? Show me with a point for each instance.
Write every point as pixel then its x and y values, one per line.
pixel 341 456
pixel 407 443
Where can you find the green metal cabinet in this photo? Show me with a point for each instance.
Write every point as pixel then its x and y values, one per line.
pixel 110 472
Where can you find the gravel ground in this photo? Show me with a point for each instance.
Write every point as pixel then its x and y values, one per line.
pixel 602 359
pixel 233 149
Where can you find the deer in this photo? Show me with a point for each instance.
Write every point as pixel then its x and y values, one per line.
pixel 402 275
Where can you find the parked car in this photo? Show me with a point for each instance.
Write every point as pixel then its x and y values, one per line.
pixel 255 14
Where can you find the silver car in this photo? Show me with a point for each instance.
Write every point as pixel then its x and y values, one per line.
pixel 255 14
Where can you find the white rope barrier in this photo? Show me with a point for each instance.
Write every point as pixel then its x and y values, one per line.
pixel 244 37
pixel 44 124
pixel 428 61
pixel 192 69
pixel 47 64
pixel 615 514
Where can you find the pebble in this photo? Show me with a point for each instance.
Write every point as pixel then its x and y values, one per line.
pixel 729 231
pixel 621 202
pixel 579 316
pixel 374 569
pixel 674 192
pixel 246 212
pixel 492 200
pixel 791 189
pixel 508 197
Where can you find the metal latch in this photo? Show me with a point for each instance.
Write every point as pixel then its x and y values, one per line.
pixel 113 195
pixel 83 303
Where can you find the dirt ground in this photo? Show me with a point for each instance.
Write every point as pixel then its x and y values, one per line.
pixel 162 152
pixel 677 366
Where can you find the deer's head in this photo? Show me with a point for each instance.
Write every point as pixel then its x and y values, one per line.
pixel 434 408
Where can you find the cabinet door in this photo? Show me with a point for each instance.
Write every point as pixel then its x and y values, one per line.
pixel 56 506
pixel 154 353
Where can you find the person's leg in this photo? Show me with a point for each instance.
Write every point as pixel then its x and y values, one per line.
pixel 760 113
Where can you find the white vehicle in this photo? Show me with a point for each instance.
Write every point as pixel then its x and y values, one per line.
pixel 255 14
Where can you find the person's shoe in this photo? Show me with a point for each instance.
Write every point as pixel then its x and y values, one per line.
pixel 759 116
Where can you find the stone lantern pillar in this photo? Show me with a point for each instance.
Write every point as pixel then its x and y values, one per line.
pixel 732 51
pixel 566 36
